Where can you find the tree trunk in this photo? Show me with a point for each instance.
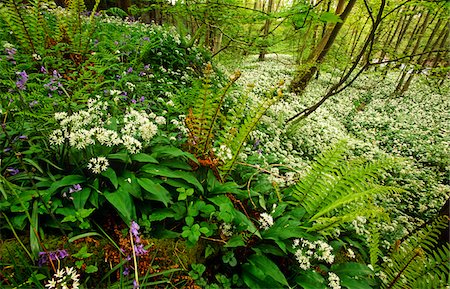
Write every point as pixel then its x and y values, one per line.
pixel 303 76
pixel 263 49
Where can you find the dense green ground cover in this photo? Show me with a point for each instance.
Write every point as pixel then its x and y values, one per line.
pixel 135 161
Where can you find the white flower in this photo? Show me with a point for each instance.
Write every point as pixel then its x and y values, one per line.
pixel 266 221
pixel 334 281
pixel 67 278
pixel 132 144
pixel 160 120
pixel 303 260
pixel 51 284
pixel 98 165
pixel 350 253
pixel 130 86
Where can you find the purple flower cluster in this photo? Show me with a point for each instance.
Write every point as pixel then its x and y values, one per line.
pixel 138 248
pixel 11 51
pixel 72 189
pixel 54 82
pixel 23 78
pixel 12 171
pixel 45 257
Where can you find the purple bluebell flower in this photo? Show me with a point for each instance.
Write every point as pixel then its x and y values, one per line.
pixel 142 73
pixel 8 149
pixel 33 103
pixel 256 144
pixel 23 137
pixel 43 70
pixel 146 38
pixel 11 52
pixel 23 78
pixel 45 257
pixel 130 70
pixel 133 100
pixel 142 99
pixel 116 43
pixel 95 41
pixel 139 249
pixel 126 271
pixel 135 231
pixel 75 188
pixel 135 285
pixel 147 66
pixel 12 171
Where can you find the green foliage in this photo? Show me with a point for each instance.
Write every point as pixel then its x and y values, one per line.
pixel 418 262
pixel 335 190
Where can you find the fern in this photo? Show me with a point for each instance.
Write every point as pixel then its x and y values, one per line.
pixel 235 141
pixel 417 263
pixel 337 188
pixel 374 245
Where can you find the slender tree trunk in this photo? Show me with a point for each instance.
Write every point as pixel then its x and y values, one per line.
pixel 303 76
pixel 263 49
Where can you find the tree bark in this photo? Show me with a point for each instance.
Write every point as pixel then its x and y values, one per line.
pixel 303 76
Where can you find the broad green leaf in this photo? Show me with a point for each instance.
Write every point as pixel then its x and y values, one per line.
pixel 144 158
pixel 111 175
pixel 128 182
pixel 155 191
pixel 311 280
pixel 169 173
pixel 65 182
pixel 80 198
pixel 161 214
pixel 124 157
pixel 351 283
pixel 351 269
pixel 268 267
pixel 34 231
pixel 123 202
pixel 174 152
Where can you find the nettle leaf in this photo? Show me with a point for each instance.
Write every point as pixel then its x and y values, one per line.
pixel 155 191
pixel 123 202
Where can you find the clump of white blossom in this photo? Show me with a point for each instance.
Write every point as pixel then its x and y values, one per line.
pixel 266 221
pixel 93 126
pixel 307 252
pixel 334 281
pixel 66 278
pixel 98 165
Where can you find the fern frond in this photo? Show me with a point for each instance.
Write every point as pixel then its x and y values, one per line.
pixel 237 141
pixel 334 183
pixel 418 262
pixel 373 242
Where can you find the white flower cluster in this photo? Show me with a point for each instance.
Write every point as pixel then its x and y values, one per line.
pixel 226 229
pixel 359 225
pixel 266 221
pixel 93 126
pixel 224 153
pixel 333 281
pixel 66 278
pixel 98 165
pixel 309 251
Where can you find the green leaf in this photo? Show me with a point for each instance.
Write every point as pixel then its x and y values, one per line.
pixel 111 175
pixel 123 202
pixel 169 173
pixel 268 267
pixel 330 17
pixel 235 241
pixel 91 269
pixel 311 280
pixel 82 253
pixel 144 158
pixel 170 151
pixel 161 214
pixel 156 191
pixel 351 269
pixel 80 198
pixel 34 229
pixel 351 283
pixel 65 182
pixel 124 157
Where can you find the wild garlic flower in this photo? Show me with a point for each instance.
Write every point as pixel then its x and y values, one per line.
pixel 226 229
pixel 131 144
pixel 224 153
pixel 334 281
pixel 66 278
pixel 351 253
pixel 266 221
pixel 307 252
pixel 98 165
